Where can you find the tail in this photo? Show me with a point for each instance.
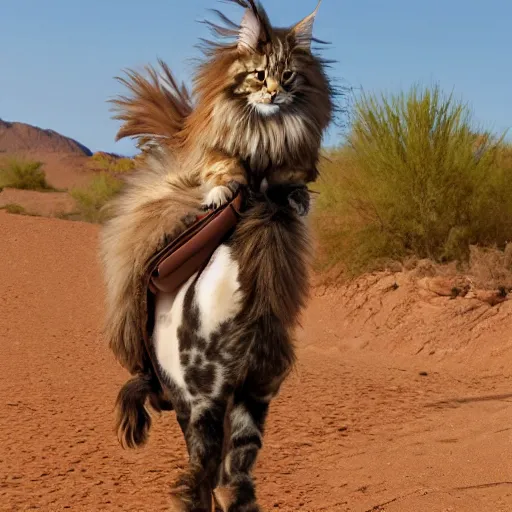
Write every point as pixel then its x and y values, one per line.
pixel 152 208
pixel 133 419
pixel 157 109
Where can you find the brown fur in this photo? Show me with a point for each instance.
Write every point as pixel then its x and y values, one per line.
pixel 143 217
pixel 186 491
pixel 158 107
pixel 222 127
pixel 133 420
pixel 224 497
pixel 271 224
pixel 220 139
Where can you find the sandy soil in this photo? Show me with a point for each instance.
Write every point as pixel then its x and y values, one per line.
pixel 401 401
pixel 46 204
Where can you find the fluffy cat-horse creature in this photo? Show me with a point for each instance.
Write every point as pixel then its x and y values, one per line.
pixel 235 123
pixel 223 342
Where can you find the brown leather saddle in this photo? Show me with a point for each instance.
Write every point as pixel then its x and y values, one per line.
pixel 189 253
pixel 173 265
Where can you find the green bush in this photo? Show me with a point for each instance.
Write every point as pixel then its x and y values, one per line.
pixel 414 179
pixel 90 199
pixel 23 174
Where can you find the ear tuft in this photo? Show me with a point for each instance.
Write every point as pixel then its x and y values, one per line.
pixel 250 32
pixel 303 31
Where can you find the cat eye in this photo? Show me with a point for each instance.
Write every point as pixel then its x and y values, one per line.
pixel 260 75
pixel 288 75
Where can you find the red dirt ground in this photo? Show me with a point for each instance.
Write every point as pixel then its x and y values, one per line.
pixel 356 427
pixel 47 204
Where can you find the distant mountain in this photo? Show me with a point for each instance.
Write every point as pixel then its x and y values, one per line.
pixel 21 137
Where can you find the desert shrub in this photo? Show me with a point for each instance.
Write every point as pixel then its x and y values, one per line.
pixel 415 178
pixel 14 208
pixel 113 164
pixel 23 174
pixel 92 198
pixel 505 157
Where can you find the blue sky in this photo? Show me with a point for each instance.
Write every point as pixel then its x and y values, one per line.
pixel 58 57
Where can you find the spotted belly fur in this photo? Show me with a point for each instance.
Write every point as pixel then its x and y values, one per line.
pixel 189 327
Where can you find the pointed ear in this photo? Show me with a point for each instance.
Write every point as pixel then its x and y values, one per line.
pixel 303 31
pixel 250 32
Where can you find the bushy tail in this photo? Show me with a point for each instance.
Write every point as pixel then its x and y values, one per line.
pixel 152 209
pixel 157 109
pixel 133 419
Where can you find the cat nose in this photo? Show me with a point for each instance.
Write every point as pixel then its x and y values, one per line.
pixel 272 86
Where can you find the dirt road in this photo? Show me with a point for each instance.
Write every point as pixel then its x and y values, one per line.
pixel 357 427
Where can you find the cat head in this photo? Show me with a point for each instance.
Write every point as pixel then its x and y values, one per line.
pixel 271 71
pixel 264 88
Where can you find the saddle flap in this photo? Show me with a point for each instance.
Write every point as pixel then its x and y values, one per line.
pixel 185 255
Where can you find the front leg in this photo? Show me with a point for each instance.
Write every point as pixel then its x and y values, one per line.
pixel 295 183
pixel 237 492
pixel 222 176
pixel 220 194
pixel 204 434
pixel 299 200
pixel 296 197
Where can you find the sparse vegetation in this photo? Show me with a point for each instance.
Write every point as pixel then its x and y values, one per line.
pixel 92 198
pixel 112 164
pixel 23 174
pixel 415 179
pixel 14 208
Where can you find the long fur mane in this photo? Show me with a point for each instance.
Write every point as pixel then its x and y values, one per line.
pixel 162 112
